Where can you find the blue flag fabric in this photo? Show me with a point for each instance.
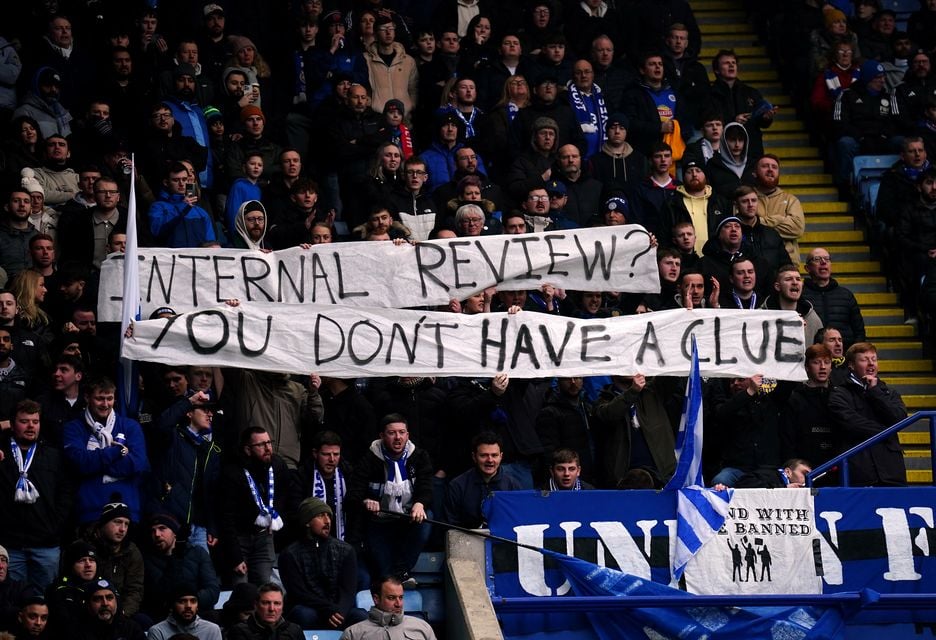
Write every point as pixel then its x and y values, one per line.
pixel 700 512
pixel 690 623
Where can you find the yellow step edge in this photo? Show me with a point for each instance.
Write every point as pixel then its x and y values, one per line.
pixel 794 152
pixel 754 75
pixel 919 402
pixel 745 52
pixel 910 438
pixel 787 126
pixel 914 380
pixel 916 453
pixel 904 366
pixel 846 248
pixel 809 164
pixel 890 331
pixel 876 298
pixel 833 236
pixel 825 207
pixel 877 313
pixel 805 178
pixel 865 279
pixel 712 29
pixel 858 266
pixel 919 476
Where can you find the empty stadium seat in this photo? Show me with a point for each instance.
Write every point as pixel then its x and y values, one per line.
pixel 869 167
pixel 323 634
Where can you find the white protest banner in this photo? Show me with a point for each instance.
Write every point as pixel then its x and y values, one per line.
pixel 345 341
pixel 381 274
pixel 766 546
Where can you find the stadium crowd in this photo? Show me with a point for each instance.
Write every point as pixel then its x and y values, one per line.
pixel 270 125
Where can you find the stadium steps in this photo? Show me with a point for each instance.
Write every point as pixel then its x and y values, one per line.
pixel 830 224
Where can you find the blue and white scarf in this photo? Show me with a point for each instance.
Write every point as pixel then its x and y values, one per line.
pixel 593 124
pixel 554 487
pixel 102 436
pixel 319 491
pixel 512 111
pixel 469 122
pixel 26 492
pixel 268 516
pixel 397 491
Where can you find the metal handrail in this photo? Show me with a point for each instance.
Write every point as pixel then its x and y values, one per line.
pixel 865 599
pixel 842 459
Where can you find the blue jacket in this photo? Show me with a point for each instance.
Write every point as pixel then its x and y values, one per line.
pixel 194 125
pixel 186 472
pixel 440 163
pixel 91 465
pixel 241 191
pixel 176 224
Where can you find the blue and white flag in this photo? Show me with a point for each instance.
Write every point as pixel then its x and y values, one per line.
pixel 700 512
pixel 128 388
pixel 690 623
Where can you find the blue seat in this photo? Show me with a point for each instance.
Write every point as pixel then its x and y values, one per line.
pixel 323 634
pixel 870 167
pixel 901 6
pixel 428 569
pixel 872 198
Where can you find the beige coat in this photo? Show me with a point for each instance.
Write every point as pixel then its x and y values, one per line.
pixel 783 212
pixel 400 80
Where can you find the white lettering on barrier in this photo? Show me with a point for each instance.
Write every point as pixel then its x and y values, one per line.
pixel 381 274
pixel 353 342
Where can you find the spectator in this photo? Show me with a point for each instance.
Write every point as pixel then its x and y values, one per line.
pixel 685 73
pixel 257 483
pixel 171 563
pixel 900 183
pixel 739 102
pixel 777 208
pixel 763 242
pixel 733 164
pixel 320 573
pixel 564 423
pixel 107 454
pixel 183 618
pixel 57 179
pixel 546 103
pixel 392 483
pixel 267 619
pixel 862 407
pixel 788 296
pixel 103 617
pixel 651 106
pixel 385 619
pixel 835 304
pixel 840 73
pixel 42 104
pixel 589 106
pixel 254 140
pixel 916 241
pixel 565 472
pixel 466 493
pixel 807 424
pixel 617 165
pixel 119 560
pixel 391 71
pixel 411 201
pixel 863 120
pixel 696 202
pixel 634 430
pixel 175 218
pixel 612 76
pixel 34 494
pixel 32 619
pixel 15 234
pixel 584 192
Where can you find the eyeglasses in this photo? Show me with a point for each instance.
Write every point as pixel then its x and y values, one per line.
pixel 107 192
pixel 263 445
pixel 473 220
pixel 538 198
pixel 821 259
pixel 254 220
pixel 162 116
pixel 412 173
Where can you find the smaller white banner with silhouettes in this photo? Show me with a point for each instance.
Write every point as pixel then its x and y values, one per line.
pixel 765 547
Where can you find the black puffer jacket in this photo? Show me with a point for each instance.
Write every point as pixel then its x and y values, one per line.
pixel 837 307
pixel 861 413
pixel 320 573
